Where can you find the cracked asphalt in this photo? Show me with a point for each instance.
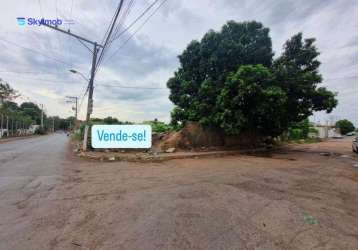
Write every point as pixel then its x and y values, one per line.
pixel 50 199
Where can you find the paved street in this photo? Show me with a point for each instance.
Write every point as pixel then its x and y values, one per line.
pixel 28 164
pixel 292 199
pixel 29 169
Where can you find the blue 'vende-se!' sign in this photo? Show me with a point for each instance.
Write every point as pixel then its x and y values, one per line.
pixel 121 136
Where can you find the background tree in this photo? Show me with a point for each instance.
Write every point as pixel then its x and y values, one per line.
pixel 229 80
pixel 345 126
pixel 6 92
pixel 32 110
pixel 28 113
pixel 67 123
pixel 110 120
pixel 11 106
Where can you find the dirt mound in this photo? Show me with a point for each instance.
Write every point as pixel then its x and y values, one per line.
pixel 194 135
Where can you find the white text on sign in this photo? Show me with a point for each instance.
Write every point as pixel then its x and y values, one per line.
pixel 121 136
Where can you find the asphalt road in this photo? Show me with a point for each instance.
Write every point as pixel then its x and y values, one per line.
pixel 29 168
pixel 292 199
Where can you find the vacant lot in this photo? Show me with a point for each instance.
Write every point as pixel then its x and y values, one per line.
pixel 293 199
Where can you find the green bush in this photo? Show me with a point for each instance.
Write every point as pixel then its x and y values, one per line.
pixel 78 135
pixel 158 127
pixel 295 134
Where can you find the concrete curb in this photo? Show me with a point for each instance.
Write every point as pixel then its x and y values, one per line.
pixel 18 138
pixel 147 157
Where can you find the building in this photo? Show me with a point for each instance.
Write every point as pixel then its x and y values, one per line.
pixel 327 131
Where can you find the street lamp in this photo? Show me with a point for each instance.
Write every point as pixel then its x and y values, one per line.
pixel 79 73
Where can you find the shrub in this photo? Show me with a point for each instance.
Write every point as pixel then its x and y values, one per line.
pixel 158 127
pixel 295 134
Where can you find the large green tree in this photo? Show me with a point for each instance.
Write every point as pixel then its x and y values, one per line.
pixel 230 80
pixel 250 101
pixel 297 73
pixel 345 126
pixel 205 65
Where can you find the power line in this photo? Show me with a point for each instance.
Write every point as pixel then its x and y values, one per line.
pixel 338 78
pixel 35 51
pixel 84 95
pixel 111 27
pixel 21 72
pixel 94 55
pixel 39 2
pixel 68 82
pixel 122 19
pixel 71 9
pixel 59 39
pixel 120 24
pixel 137 19
pixel 44 80
pixel 116 36
pixel 41 72
pixel 129 87
pixel 107 30
pixel 109 33
pixel 135 32
pixel 82 99
pixel 51 47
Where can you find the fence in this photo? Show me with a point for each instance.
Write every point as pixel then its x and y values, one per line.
pixel 13 125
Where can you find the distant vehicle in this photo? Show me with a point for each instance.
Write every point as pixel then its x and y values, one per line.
pixel 351 133
pixel 337 136
pixel 355 145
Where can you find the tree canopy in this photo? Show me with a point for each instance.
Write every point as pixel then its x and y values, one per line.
pixel 28 113
pixel 230 80
pixel 31 109
pixel 345 126
pixel 6 92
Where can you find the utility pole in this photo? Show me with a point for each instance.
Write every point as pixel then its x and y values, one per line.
pixel 74 99
pixel 94 62
pixel 90 87
pixel 96 47
pixel 7 125
pixel 42 115
pixel 2 129
pixel 53 124
pixel 12 126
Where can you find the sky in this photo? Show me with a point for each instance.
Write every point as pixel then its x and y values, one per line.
pixel 131 82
